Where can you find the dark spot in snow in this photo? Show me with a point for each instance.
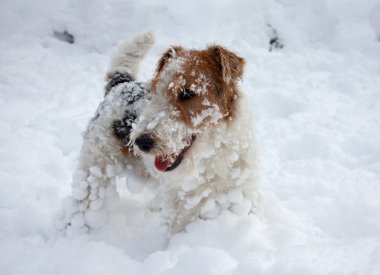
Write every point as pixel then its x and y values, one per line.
pixel 64 36
pixel 274 42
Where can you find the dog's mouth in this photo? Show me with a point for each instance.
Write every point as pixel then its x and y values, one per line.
pixel 172 162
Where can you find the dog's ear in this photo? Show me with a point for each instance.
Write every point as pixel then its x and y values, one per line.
pixel 231 65
pixel 170 53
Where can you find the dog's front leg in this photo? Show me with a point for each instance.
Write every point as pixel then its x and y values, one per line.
pixel 94 187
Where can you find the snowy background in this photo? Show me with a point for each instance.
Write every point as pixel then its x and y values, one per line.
pixel 317 117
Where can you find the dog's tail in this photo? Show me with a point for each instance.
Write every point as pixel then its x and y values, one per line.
pixel 127 58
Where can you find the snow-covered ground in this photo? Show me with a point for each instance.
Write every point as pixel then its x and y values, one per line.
pixel 317 115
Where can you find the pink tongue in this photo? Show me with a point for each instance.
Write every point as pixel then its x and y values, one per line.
pixel 161 165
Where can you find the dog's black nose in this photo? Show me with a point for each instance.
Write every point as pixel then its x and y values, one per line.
pixel 145 142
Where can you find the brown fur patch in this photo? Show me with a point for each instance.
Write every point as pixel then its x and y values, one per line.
pixel 121 138
pixel 211 74
pixel 232 66
pixel 126 152
pixel 123 145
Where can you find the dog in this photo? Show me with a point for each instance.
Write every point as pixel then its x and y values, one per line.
pixel 190 129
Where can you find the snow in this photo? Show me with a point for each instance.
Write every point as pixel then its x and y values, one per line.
pixel 235 195
pixel 213 113
pixel 96 171
pixel 316 104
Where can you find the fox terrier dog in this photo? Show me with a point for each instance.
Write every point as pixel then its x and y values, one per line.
pixel 190 129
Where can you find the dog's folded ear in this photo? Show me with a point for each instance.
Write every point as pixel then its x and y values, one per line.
pixel 170 53
pixel 231 65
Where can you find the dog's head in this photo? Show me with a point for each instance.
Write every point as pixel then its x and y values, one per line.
pixel 193 91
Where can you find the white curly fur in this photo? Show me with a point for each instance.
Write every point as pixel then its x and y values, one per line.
pixel 101 159
pixel 129 55
pixel 217 173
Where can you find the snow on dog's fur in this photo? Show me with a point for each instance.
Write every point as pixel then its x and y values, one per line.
pixel 196 136
pixel 104 153
pixel 193 134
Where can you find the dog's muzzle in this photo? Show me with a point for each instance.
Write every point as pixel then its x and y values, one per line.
pixel 145 143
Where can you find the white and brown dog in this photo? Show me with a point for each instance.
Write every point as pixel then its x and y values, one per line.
pixel 192 132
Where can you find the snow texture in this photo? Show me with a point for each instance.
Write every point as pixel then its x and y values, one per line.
pixel 316 105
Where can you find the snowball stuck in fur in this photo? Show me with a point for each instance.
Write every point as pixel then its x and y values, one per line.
pixel 96 204
pixel 69 205
pixel 77 220
pixel 83 184
pixel 93 196
pixel 110 171
pixel 95 218
pixel 235 195
pixel 101 192
pixel 208 206
pixel 242 208
pixel 79 175
pixel 96 171
pixel 79 193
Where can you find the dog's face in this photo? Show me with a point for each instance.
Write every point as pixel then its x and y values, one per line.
pixel 193 91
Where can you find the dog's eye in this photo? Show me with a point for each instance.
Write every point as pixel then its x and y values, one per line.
pixel 186 94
